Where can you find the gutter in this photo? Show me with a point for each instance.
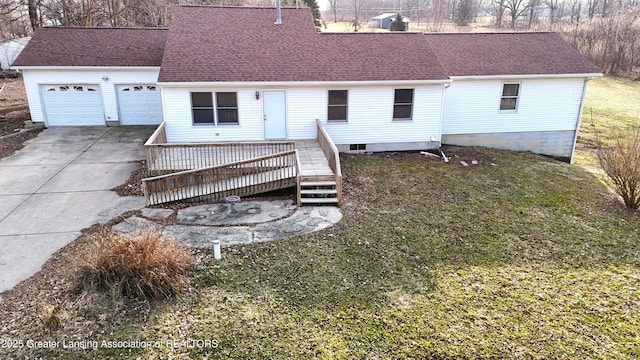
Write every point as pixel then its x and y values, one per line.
pixel 525 76
pixel 208 84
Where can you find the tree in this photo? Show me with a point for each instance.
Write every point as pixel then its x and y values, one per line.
pixel 333 6
pixel 516 9
pixel 464 12
pixel 357 13
pixel 398 24
pixel 499 7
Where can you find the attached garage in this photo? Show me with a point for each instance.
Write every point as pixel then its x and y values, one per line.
pixel 73 105
pixel 139 104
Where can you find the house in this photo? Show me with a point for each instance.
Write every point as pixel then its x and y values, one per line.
pixel 230 75
pixel 9 51
pixel 383 21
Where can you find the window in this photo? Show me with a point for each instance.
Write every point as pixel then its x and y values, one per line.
pixel 403 104
pixel 227 104
pixel 226 108
pixel 509 99
pixel 355 147
pixel 202 108
pixel 337 105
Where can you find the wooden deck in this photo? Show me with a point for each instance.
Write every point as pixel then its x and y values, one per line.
pixel 313 163
pixel 181 171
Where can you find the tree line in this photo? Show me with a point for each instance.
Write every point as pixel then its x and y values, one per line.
pixel 605 31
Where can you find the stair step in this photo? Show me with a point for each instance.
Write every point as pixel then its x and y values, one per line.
pixel 317 183
pixel 319 200
pixel 318 191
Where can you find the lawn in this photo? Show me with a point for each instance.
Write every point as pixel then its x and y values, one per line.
pixel 520 256
pixel 612 106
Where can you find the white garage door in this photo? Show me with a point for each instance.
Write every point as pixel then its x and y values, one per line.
pixel 73 105
pixel 139 105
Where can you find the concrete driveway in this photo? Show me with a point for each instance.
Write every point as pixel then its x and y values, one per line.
pixel 58 185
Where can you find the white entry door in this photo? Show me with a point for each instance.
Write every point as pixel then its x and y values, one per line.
pixel 139 104
pixel 72 105
pixel 274 105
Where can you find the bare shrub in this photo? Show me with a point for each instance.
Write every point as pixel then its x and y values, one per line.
pixel 621 163
pixel 142 265
pixel 52 316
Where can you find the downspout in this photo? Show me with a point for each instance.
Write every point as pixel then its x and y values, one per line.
pixel 579 120
pixel 444 92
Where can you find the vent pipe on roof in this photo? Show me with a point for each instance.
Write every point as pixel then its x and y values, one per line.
pixel 278 15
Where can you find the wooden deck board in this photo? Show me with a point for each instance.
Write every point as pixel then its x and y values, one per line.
pixel 313 163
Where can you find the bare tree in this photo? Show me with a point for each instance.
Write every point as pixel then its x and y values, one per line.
pixel 333 6
pixel 357 8
pixel 516 9
pixel 592 7
pixel 499 8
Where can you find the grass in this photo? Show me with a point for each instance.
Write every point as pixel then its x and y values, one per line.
pixel 611 106
pixel 525 259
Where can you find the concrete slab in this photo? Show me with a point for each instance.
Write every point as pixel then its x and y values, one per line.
pixel 30 252
pixel 134 224
pixel 8 203
pixel 58 212
pixel 112 153
pixel 94 177
pixel 46 154
pixel 158 214
pixel 65 135
pixel 251 212
pixel 25 179
pixel 128 134
pixel 201 236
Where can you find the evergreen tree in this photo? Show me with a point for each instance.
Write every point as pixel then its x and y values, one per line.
pixel 398 24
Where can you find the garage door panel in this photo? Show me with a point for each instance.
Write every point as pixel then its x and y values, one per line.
pixel 139 104
pixel 73 105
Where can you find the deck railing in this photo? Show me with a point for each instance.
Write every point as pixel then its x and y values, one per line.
pixel 333 157
pixel 241 178
pixel 298 181
pixel 166 158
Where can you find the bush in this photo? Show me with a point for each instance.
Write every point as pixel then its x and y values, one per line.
pixel 621 163
pixel 142 265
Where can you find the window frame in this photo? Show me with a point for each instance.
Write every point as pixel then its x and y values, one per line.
pixel 194 108
pixel 345 106
pixel 403 104
pixel 218 108
pixel 214 109
pixel 505 97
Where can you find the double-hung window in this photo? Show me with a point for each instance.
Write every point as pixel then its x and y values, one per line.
pixel 403 104
pixel 337 110
pixel 509 98
pixel 223 111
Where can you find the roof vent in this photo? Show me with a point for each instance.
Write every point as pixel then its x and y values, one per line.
pixel 278 15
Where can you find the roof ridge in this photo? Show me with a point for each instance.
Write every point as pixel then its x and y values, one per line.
pixel 102 28
pixel 491 33
pixel 240 7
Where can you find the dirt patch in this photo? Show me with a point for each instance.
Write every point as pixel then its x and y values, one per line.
pixel 13 106
pixel 133 185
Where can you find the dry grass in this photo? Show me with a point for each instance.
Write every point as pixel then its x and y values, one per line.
pixel 142 265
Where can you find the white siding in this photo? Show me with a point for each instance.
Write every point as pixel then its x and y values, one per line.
pixel 179 121
pixel 472 106
pixel 34 78
pixel 370 115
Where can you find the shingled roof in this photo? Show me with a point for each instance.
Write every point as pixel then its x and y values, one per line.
pixel 230 44
pixel 67 46
pixel 484 54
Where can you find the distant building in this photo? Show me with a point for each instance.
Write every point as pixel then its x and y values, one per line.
pixel 384 20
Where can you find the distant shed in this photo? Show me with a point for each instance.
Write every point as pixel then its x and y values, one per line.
pixel 384 20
